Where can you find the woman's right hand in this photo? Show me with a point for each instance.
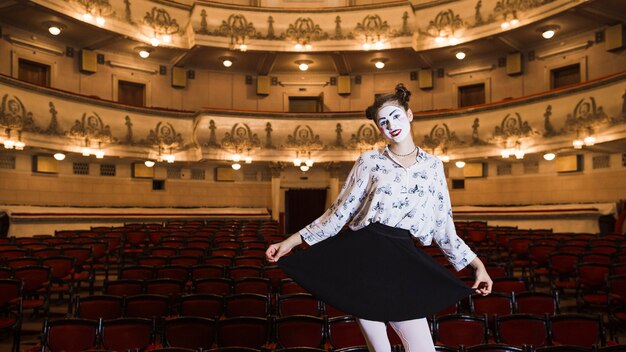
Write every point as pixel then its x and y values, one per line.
pixel 277 250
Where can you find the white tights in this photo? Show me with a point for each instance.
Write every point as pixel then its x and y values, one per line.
pixel 415 335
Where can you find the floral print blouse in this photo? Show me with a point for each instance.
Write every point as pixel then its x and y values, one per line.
pixel 379 189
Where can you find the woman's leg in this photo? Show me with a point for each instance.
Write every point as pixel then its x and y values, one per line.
pixel 375 333
pixel 415 335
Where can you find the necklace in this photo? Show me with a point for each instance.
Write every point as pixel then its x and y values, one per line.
pixel 401 155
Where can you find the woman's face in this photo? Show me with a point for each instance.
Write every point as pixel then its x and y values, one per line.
pixel 394 123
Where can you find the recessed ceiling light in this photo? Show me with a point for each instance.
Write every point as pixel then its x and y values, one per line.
pixel 549 156
pixel 54 28
pixel 303 65
pixel 144 51
pixel 227 61
pixel 548 32
pixel 379 62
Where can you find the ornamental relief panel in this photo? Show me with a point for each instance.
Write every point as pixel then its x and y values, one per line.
pixel 554 121
pixel 13 115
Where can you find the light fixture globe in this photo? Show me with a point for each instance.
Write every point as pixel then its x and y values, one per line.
pixel 54 28
pixel 460 164
pixel 461 53
pixel 59 156
pixel 149 163
pixel 144 51
pixel 379 62
pixel 547 32
pixel 549 156
pixel 303 65
pixel 236 166
pixel 227 61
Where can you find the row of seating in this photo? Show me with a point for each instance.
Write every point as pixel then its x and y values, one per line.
pixel 315 332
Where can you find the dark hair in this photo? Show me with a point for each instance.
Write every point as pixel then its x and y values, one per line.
pixel 401 96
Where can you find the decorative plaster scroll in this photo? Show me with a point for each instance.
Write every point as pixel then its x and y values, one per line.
pixel 304 31
pixel 240 138
pixel 338 138
pixel 442 138
pixel 268 136
pixel 129 130
pixel 547 125
pixel 93 128
pixel 586 115
pixel 212 136
pixel 303 138
pixel 367 137
pixel 475 137
pixel 512 126
pixel 445 23
pixel 237 28
pixel 53 127
pixel 372 26
pixel 13 115
pixel 128 15
pixel 164 134
pixel 161 22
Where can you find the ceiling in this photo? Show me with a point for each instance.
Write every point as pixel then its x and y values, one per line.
pixel 591 16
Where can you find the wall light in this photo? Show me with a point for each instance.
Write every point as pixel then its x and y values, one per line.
pixel 236 166
pixel 460 164
pixel 149 163
pixel 59 156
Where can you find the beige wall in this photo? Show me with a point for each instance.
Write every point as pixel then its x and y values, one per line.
pixel 227 90
pixel 546 187
pixel 24 187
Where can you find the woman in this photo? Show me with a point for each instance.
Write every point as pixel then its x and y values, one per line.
pixel 374 271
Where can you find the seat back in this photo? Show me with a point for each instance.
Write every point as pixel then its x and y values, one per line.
pixel 456 329
pixel 300 331
pixel 577 330
pixel 189 332
pixel 127 334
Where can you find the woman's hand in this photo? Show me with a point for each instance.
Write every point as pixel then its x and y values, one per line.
pixel 483 283
pixel 277 250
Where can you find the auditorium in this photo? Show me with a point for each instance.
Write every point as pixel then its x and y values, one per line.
pixel 151 151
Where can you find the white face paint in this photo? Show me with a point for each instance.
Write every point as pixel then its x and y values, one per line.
pixel 393 123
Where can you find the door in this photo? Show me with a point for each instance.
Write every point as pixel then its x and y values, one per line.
pixel 302 206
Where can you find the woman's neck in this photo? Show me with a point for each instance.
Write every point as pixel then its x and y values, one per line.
pixel 407 146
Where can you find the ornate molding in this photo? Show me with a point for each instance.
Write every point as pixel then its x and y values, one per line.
pixel 91 127
pixel 163 135
pixel 367 137
pixel 440 137
pixel 512 125
pixel 240 138
pixel 13 115
pixel 303 139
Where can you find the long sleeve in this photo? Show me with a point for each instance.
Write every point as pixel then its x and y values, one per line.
pixel 454 248
pixel 343 208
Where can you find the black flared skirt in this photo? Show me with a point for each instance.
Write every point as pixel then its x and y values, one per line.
pixel 375 273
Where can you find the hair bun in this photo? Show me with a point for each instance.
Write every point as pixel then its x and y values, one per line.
pixel 402 93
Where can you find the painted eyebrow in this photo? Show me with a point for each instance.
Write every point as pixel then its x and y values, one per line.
pixel 392 112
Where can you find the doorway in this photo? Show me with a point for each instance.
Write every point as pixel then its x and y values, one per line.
pixel 302 206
